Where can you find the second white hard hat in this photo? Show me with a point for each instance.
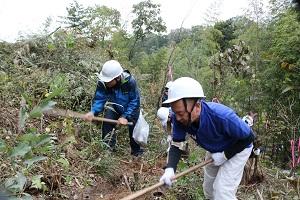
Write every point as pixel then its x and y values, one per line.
pixel 168 85
pixel 163 114
pixel 184 87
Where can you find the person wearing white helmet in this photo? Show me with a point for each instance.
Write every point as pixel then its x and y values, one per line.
pixel 216 128
pixel 118 87
pixel 249 120
pixel 165 94
pixel 168 85
pixel 163 115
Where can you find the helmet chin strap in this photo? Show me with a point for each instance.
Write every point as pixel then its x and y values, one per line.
pixel 190 113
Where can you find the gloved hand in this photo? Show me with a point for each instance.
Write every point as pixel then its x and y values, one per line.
pixel 169 138
pixel 219 158
pixel 256 151
pixel 167 176
pixel 123 121
pixel 88 116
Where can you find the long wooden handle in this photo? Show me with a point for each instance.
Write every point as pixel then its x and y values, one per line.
pixel 159 184
pixel 109 120
pixel 73 114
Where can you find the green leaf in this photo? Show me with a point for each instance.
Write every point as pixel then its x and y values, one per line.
pixel 2 145
pixel 23 116
pixel 20 150
pixel 27 99
pixel 40 143
pixel 31 161
pixel 16 184
pixel 51 47
pixel 55 93
pixel 38 110
pixel 70 42
pixel 288 89
pixel 57 87
pixel 35 139
pixel 36 182
pixel 43 139
pixel 64 162
pixel 29 138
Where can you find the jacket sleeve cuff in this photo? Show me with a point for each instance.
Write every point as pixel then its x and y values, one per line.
pixel 174 157
pixel 126 117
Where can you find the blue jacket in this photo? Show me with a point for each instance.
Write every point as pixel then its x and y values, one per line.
pixel 218 129
pixel 125 97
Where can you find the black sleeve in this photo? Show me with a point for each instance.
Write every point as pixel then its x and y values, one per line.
pixel 174 157
pixel 239 146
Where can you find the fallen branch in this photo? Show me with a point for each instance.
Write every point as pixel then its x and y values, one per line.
pixel 259 194
pixel 127 183
pixel 123 161
pixel 141 168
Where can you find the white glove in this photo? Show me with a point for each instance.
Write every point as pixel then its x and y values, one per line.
pixel 256 151
pixel 219 158
pixel 169 138
pixel 167 176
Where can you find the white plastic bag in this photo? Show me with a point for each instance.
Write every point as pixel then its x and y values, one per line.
pixel 141 130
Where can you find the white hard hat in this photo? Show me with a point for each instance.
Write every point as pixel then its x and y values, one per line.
pixel 184 87
pixel 163 114
pixel 248 119
pixel 168 85
pixel 110 70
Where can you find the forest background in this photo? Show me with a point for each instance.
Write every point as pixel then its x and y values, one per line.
pixel 249 62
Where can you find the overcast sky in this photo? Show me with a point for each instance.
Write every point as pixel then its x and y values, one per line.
pixel 28 16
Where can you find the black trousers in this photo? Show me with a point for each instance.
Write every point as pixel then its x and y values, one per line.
pixel 110 138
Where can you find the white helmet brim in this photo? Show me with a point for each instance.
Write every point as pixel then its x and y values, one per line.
pixel 103 78
pixel 171 100
pixel 184 87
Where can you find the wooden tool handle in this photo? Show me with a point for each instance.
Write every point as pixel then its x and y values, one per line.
pixel 110 120
pixel 73 114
